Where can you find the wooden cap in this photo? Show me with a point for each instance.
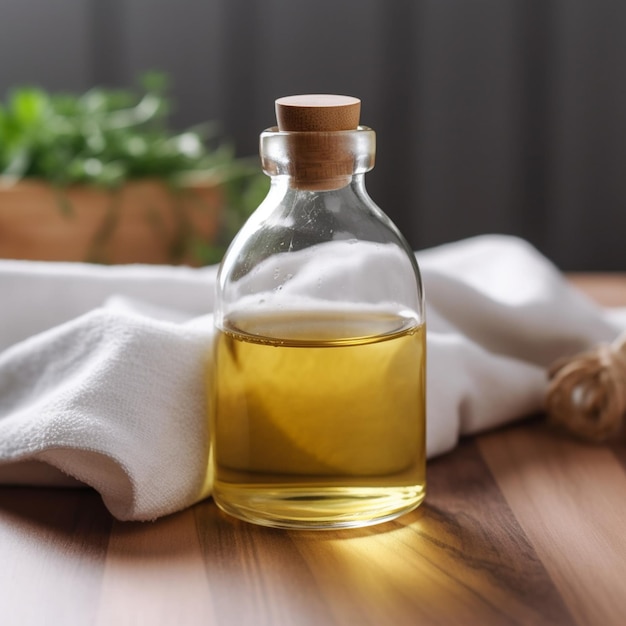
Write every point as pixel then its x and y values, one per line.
pixel 317 113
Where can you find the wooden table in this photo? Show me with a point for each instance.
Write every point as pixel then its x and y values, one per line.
pixel 520 526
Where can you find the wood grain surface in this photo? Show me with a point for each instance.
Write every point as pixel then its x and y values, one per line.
pixel 520 526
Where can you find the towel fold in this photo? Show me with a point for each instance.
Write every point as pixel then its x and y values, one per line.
pixel 102 369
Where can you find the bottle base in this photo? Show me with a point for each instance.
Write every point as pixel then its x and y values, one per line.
pixel 317 509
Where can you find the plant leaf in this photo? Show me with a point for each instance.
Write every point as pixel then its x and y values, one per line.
pixel 29 106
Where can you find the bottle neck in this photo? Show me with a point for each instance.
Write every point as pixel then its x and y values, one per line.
pixel 282 185
pixel 318 161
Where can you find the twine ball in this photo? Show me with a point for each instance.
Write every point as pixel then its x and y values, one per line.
pixel 587 393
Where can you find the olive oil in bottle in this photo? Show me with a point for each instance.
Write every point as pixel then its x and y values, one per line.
pixel 316 422
pixel 317 390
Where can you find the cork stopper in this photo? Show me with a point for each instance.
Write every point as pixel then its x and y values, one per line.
pixel 321 154
pixel 318 112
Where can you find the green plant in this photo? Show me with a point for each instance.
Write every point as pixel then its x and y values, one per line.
pixel 106 137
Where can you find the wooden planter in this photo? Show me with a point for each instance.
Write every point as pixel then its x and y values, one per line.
pixel 143 222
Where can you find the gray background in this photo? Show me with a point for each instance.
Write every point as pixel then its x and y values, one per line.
pixel 492 115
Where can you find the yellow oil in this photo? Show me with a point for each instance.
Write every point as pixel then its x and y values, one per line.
pixel 318 420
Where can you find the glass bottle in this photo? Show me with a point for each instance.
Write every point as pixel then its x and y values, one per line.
pixel 317 395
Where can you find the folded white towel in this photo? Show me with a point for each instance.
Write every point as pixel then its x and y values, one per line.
pixel 102 369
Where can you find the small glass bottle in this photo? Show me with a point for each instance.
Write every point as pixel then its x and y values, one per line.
pixel 317 403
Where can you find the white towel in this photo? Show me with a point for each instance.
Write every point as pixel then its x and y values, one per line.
pixel 102 369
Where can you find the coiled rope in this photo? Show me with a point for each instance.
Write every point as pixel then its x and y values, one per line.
pixel 587 393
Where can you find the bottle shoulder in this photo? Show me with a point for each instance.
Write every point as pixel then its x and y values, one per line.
pixel 334 247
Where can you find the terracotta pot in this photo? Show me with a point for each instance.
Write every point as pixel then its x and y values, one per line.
pixel 143 222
